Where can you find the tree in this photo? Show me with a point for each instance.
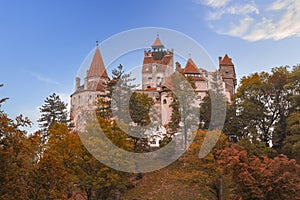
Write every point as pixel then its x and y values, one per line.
pixel 292 141
pixel 185 111
pixel 54 110
pixel 250 177
pixel 15 156
pixel 115 102
pixel 139 107
pixel 213 107
pixel 260 107
pixel 104 107
pixel 95 179
pixel 202 172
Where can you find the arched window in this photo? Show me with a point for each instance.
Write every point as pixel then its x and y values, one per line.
pixel 165 101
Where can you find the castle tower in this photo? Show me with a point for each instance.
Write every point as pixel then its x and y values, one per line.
pixel 227 71
pixel 157 65
pixel 86 95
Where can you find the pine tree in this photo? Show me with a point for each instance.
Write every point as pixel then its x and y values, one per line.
pixel 54 110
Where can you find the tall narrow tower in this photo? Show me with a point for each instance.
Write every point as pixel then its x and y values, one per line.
pixel 157 65
pixel 227 71
pixel 86 95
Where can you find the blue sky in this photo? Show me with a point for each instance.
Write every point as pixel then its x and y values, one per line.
pixel 43 43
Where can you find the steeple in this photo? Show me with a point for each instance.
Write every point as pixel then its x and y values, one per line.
pixel 157 44
pixel 97 67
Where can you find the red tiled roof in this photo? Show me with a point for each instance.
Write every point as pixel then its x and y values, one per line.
pixel 97 67
pixel 166 60
pixel 190 68
pixel 157 43
pixel 226 61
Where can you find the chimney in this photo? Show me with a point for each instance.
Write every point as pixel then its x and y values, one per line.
pixel 77 84
pixel 220 59
pixel 178 66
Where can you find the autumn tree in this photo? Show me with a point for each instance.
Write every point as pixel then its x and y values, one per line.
pixel 292 141
pixel 16 157
pixel 95 179
pixel 202 172
pixel 250 177
pixel 260 107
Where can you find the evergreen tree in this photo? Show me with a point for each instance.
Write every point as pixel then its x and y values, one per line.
pixel 115 102
pixel 54 110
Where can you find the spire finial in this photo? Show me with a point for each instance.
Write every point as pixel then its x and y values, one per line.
pixel 157 35
pixel 190 55
pixel 97 43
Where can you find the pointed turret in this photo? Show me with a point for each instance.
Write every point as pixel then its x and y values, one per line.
pixel 226 61
pixel 97 67
pixel 226 68
pixel 157 44
pixel 191 67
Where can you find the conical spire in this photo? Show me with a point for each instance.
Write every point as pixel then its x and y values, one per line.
pixel 157 43
pixel 191 67
pixel 97 67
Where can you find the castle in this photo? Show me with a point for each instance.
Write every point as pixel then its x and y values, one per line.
pixel 158 66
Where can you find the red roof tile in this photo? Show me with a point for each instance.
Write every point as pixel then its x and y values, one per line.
pixel 157 43
pixel 226 61
pixel 190 68
pixel 97 67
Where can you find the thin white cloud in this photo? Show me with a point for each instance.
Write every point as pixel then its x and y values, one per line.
pixel 233 10
pixel 44 78
pixel 280 4
pixel 250 21
pixel 242 27
pixel 213 3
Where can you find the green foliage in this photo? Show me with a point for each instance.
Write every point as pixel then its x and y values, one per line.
pixel 54 110
pixel 261 106
pixel 104 107
pixel 257 148
pixel 139 107
pixel 265 108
